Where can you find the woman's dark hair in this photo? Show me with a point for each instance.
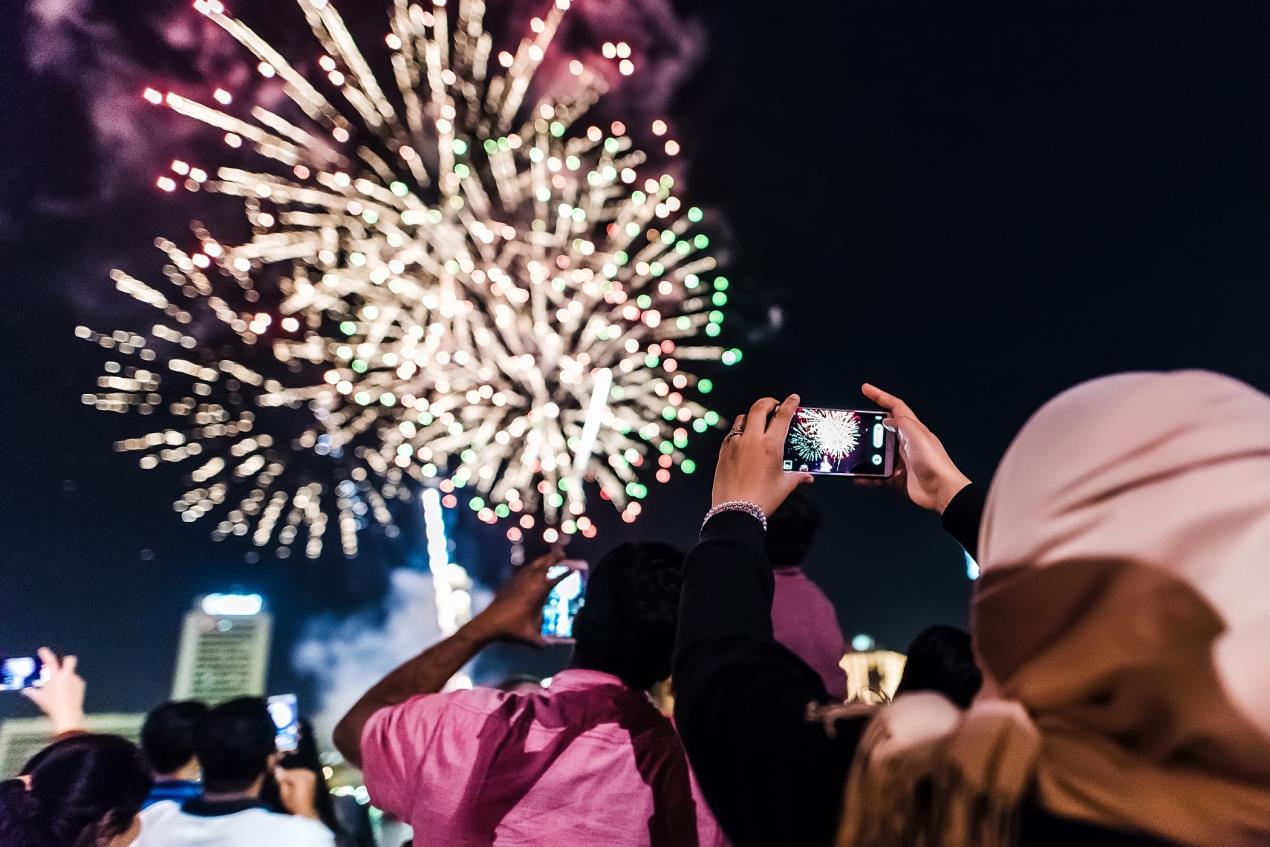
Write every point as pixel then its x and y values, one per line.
pixel 83 790
pixel 627 627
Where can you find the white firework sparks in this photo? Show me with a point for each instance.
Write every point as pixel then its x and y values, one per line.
pixel 831 433
pixel 448 283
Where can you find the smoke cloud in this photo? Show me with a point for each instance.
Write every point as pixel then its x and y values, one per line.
pixel 346 656
pixel 106 55
pixel 663 49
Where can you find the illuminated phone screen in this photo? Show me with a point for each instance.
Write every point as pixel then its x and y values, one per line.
pixel 564 602
pixel 21 672
pixel 839 442
pixel 286 722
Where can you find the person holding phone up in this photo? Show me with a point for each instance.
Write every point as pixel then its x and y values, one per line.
pixel 1119 622
pixel 586 761
pixel 84 788
pixel 771 775
pixel 236 745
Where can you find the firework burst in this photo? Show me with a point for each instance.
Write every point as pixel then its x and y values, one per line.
pixel 829 433
pixel 450 283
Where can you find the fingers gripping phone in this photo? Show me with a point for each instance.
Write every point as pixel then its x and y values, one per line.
pixel 286 722
pixel 564 602
pixel 22 672
pixel 840 442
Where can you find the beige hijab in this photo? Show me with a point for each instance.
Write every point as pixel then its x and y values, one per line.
pixel 1122 623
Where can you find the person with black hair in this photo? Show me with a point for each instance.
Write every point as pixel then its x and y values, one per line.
pixel 167 739
pixel 803 618
pixel 588 760
pixel 83 790
pixel 940 659
pixel 235 745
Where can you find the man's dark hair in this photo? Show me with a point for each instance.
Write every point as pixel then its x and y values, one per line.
pixel 167 736
pixel 627 626
pixel 233 742
pixel 940 659
pixel 790 531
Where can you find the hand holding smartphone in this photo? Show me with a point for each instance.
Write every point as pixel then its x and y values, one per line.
pixel 840 442
pixel 564 602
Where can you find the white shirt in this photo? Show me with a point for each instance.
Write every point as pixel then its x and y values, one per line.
pixel 165 825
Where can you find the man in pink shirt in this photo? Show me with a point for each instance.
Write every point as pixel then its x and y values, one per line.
pixel 587 761
pixel 803 618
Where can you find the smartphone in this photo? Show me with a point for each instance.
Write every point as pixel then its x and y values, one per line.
pixel 839 442
pixel 286 722
pixel 22 672
pixel 564 602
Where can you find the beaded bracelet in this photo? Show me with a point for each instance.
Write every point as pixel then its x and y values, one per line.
pixel 752 509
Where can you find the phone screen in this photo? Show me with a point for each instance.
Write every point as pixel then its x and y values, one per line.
pixel 564 602
pixel 839 442
pixel 286 722
pixel 22 672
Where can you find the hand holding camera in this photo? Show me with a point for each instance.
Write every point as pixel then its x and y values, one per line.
pixel 777 447
pixel 61 696
pixel 515 613
pixel 924 471
pixel 750 469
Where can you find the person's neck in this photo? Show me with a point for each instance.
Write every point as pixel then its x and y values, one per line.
pixel 252 792
pixel 188 773
pixel 581 664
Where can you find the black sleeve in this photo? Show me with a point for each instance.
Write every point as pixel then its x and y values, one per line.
pixel 771 777
pixel 962 517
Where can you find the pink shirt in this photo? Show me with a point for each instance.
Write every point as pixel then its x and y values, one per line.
pixel 587 762
pixel 804 620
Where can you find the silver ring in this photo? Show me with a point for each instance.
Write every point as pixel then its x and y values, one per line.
pixel 736 430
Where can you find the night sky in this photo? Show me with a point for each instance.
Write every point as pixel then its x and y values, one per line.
pixel 974 205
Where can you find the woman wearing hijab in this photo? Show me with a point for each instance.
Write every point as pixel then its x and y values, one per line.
pixel 1119 622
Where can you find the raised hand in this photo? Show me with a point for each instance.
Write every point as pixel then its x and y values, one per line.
pixel 749 466
pixel 515 613
pixel 61 697
pixel 924 472
pixel 297 788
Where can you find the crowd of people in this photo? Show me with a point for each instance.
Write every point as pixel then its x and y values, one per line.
pixel 201 776
pixel 1112 690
